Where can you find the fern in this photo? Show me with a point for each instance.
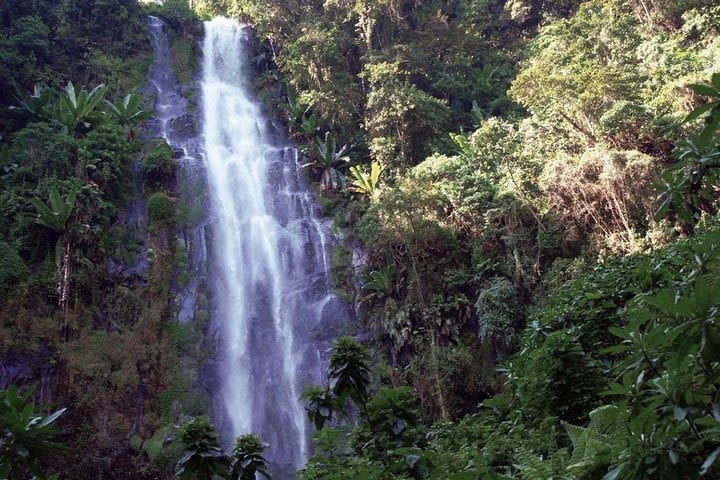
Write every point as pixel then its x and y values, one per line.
pixel 598 439
pixel 531 466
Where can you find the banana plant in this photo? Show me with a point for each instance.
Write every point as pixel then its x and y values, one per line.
pixel 460 144
pixel 36 105
pixel 478 114
pixel 366 184
pixel 379 284
pixel 485 76
pixel 75 107
pixel 326 159
pixel 310 125
pixel 25 436
pixel 128 112
pixel 55 216
pixel 294 109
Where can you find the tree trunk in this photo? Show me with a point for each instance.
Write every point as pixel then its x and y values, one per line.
pixel 436 376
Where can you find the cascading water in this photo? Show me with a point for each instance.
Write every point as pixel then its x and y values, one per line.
pixel 269 254
pixel 173 122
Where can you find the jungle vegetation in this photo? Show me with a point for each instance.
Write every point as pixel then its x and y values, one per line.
pixel 535 184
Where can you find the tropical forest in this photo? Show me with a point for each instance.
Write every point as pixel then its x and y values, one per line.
pixel 359 239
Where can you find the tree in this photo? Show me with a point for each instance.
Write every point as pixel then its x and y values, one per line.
pixel 349 371
pixel 498 315
pixel 320 405
pixel 580 67
pixel 202 457
pixel 55 217
pixel 23 48
pixel 326 159
pixel 399 116
pixel 247 459
pixel 26 435
pixel 128 112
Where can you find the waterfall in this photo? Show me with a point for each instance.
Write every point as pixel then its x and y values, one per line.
pixel 172 111
pixel 269 258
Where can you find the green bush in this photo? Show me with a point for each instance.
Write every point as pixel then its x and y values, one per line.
pixel 160 208
pixel 158 164
pixel 106 158
pixel 41 148
pixel 12 268
pixel 556 379
pixel 465 372
pixel 499 314
pixel 394 415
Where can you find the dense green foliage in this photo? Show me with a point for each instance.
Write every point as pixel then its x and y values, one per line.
pixel 160 207
pixel 12 268
pixel 534 183
pixel 26 436
pixel 534 168
pixel 86 285
pixel 50 42
pixel 203 459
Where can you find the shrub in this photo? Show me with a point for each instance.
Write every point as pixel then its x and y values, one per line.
pixel 557 379
pixel 121 307
pixel 106 158
pixel 39 147
pixel 12 268
pixel 627 124
pixel 158 164
pixel 393 412
pixel 160 208
pixel 606 196
pixel 499 314
pixel 465 372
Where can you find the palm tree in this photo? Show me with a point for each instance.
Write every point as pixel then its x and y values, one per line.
pixel 364 183
pixel 75 106
pixel 55 217
pixel 247 458
pixel 349 371
pixel 202 459
pixel 128 112
pixel 326 159
pixel 26 435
